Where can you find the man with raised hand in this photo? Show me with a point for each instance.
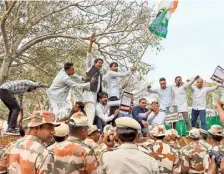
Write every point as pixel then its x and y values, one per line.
pixel 180 97
pixel 165 94
pixel 199 103
pixel 92 72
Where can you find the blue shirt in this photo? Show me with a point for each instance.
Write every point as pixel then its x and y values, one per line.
pixel 137 113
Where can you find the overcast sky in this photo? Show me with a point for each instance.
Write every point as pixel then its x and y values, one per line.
pixel 194 44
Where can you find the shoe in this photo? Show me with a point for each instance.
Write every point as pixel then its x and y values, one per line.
pixel 12 131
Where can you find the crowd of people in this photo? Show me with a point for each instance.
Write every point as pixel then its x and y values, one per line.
pixel 95 137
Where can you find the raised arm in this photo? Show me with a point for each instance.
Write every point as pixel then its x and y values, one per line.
pixel 119 74
pixel 90 59
pixel 191 82
pixel 150 90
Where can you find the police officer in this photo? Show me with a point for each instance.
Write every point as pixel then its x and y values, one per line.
pixel 127 158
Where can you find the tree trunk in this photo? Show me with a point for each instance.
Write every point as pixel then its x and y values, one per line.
pixel 5 66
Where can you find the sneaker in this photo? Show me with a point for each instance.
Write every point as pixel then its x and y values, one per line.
pixel 12 131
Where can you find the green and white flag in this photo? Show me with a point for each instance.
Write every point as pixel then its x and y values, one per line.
pixel 159 26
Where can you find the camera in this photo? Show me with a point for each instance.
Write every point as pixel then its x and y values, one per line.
pixel 218 156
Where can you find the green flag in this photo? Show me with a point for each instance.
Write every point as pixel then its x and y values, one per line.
pixel 160 24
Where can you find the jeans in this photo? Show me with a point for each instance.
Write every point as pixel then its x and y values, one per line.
pixel 11 103
pixel 194 118
pixel 100 124
pixel 113 108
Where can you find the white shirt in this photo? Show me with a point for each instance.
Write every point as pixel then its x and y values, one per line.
pixel 113 82
pixel 165 96
pixel 59 89
pixel 160 118
pixel 199 96
pixel 180 96
pixel 102 111
pixel 90 96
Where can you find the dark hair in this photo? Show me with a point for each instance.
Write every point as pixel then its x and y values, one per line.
pixel 162 79
pixel 177 77
pixel 126 134
pixel 81 106
pixel 101 95
pixel 67 65
pixel 98 59
pixel 141 99
pixel 75 130
pixel 216 138
pixel 59 139
pixel 113 63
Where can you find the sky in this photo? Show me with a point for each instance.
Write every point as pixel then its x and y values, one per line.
pixel 194 44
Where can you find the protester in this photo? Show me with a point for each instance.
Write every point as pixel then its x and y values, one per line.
pixel 7 95
pixel 140 114
pixel 168 158
pixel 192 155
pixel 60 87
pixel 61 134
pixel 127 158
pixel 157 116
pixel 93 137
pixel 73 155
pixel 92 72
pixel 165 94
pixel 28 154
pixel 215 137
pixel 113 83
pixel 199 103
pixel 102 111
pixel 180 97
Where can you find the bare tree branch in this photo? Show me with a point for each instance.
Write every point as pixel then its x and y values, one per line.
pixel 3 28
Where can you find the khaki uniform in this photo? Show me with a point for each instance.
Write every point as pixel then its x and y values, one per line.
pixel 192 157
pixel 91 143
pixel 101 149
pixel 27 155
pixel 168 158
pixel 74 156
pixel 175 145
pixel 127 159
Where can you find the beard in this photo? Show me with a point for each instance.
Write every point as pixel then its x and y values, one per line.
pixel 104 103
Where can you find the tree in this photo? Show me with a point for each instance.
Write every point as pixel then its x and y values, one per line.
pixel 28 29
pixel 39 36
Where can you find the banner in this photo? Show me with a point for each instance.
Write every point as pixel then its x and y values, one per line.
pixel 172 114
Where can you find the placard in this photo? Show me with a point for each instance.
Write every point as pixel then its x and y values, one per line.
pixel 126 102
pixel 172 114
pixel 218 75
